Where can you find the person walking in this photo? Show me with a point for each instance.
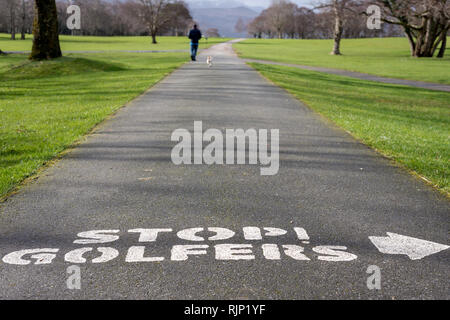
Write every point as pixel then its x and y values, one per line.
pixel 195 35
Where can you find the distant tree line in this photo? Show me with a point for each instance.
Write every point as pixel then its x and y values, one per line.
pixel 284 20
pixel 16 17
pixel 426 23
pixel 102 18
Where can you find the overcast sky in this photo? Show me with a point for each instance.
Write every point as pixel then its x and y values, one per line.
pixel 265 3
pixel 261 3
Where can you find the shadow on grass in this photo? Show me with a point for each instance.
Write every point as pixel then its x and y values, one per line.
pixel 64 66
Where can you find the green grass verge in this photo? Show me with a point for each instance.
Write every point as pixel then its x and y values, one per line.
pixel 410 125
pixel 88 43
pixel 46 106
pixel 387 57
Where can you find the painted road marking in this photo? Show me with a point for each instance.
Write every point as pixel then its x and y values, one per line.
pixel 41 256
pixel 269 247
pixel 414 248
pixel 76 256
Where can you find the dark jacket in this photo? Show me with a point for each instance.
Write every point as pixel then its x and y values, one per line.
pixel 195 35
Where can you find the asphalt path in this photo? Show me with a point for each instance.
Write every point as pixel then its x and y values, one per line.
pixel 335 210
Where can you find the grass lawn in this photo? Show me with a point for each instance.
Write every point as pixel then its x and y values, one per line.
pixel 46 106
pixel 85 43
pixel 388 57
pixel 407 124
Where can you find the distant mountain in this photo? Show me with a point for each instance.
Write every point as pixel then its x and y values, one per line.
pixel 222 15
pixel 214 4
pixel 221 4
pixel 257 9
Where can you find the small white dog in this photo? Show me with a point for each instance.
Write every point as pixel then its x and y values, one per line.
pixel 209 61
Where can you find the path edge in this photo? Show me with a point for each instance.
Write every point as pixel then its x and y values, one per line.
pixel 36 174
pixel 422 179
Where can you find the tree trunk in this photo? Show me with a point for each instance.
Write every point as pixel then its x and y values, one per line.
pixel 424 46
pixel 153 32
pixel 424 37
pixel 24 18
pixel 338 30
pixel 427 39
pixel 12 15
pixel 443 46
pixel 412 43
pixel 45 31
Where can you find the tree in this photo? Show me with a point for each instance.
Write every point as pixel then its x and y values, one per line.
pixel 178 19
pixel 154 16
pixel 257 27
pixel 24 20
pixel 240 26
pixel 212 33
pixel 123 18
pixel 12 7
pixel 305 23
pixel 45 31
pixel 338 8
pixel 280 15
pixel 129 10
pixel 15 17
pixel 284 18
pixel 424 22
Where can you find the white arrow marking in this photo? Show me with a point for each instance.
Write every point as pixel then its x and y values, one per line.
pixel 414 248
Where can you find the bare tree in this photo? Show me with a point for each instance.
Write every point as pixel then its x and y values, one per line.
pixel 425 23
pixel 279 16
pixel 322 23
pixel 154 16
pixel 15 16
pixel 240 26
pixel 3 17
pixel 45 31
pixel 305 23
pixel 212 33
pixel 282 19
pixel 129 10
pixel 11 6
pixel 125 18
pixel 178 20
pixel 258 26
pixel 23 28
pixel 338 7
